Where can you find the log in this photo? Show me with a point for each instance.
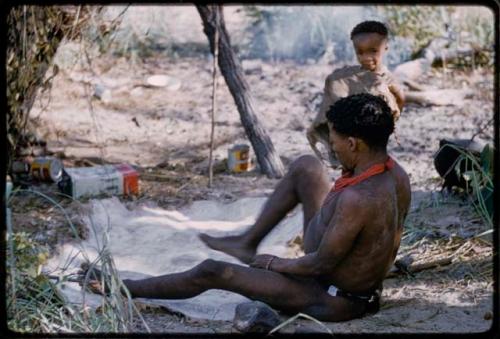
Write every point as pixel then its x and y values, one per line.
pixel 436 53
pixel 429 264
pixel 400 266
pixel 412 70
pixel 413 85
pixel 230 66
pixel 437 97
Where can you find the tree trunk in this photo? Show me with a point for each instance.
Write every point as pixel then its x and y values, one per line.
pixel 33 36
pixel 231 69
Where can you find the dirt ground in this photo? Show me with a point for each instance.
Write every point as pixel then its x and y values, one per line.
pixel 165 133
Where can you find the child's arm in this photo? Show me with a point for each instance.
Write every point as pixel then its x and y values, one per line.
pixel 313 132
pixel 398 94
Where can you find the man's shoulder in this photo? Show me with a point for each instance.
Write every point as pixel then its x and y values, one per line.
pixel 401 174
pixel 352 197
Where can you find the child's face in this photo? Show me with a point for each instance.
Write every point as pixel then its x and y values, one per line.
pixel 370 48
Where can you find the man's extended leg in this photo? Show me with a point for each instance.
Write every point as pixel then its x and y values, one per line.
pixel 306 182
pixel 285 293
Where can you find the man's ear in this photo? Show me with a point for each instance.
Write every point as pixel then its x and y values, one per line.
pixel 353 143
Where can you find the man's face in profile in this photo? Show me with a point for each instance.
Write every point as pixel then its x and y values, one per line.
pixel 341 146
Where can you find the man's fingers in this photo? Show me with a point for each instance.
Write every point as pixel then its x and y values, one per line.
pixel 254 264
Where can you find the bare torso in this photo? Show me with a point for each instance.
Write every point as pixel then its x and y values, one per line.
pixel 387 197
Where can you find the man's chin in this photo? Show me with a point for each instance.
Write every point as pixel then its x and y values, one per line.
pixel 337 166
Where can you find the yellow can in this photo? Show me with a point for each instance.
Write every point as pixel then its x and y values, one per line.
pixel 47 169
pixel 238 159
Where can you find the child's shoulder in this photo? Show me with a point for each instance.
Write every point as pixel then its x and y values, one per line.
pixel 384 72
pixel 344 72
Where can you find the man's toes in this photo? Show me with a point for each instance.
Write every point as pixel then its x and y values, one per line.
pixel 207 239
pixel 95 287
pixel 203 236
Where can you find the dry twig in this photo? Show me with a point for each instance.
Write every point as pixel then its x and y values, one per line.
pixel 214 89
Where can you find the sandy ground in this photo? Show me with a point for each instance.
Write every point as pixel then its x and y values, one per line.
pixel 168 142
pixel 456 298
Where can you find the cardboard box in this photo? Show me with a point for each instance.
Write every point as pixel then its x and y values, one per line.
pixel 106 180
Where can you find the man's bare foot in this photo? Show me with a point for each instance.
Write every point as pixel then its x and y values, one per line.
pixel 92 280
pixel 232 245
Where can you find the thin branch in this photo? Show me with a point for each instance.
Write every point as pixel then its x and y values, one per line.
pixel 214 97
pixel 481 130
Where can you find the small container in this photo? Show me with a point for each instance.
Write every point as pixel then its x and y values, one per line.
pixel 109 180
pixel 20 167
pixel 47 169
pixel 130 179
pixel 238 159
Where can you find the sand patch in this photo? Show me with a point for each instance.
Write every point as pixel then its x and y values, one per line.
pixel 150 241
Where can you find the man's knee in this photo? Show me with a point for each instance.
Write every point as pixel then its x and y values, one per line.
pixel 307 165
pixel 211 269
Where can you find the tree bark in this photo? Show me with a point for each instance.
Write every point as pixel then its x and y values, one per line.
pixel 230 66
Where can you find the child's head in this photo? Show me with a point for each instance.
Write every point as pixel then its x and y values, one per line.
pixel 370 42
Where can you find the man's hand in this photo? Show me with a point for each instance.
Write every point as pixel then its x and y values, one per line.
pixel 262 261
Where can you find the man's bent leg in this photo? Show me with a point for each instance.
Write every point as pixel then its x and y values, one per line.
pixel 285 293
pixel 306 182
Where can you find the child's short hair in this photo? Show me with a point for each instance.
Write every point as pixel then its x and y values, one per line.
pixel 370 27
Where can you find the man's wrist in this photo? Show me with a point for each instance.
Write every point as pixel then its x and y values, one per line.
pixel 268 265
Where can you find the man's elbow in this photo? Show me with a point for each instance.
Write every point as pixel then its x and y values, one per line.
pixel 322 267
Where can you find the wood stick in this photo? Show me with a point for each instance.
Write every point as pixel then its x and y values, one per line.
pixel 214 88
pixel 429 264
pixel 414 268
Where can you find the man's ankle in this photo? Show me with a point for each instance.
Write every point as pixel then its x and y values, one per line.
pixel 127 283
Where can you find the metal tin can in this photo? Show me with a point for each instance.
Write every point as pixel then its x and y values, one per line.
pixel 20 167
pixel 238 159
pixel 47 169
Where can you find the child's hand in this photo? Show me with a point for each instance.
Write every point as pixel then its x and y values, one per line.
pixel 396 115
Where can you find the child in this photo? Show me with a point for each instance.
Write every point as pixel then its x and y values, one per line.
pixel 370 76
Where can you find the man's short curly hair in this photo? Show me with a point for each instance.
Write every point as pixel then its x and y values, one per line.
pixel 363 116
pixel 370 27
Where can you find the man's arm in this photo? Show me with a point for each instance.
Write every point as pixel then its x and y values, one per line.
pixel 348 220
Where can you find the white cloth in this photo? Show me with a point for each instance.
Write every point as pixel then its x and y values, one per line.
pixel 332 290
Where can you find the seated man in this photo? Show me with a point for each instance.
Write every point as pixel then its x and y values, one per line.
pixel 352 230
